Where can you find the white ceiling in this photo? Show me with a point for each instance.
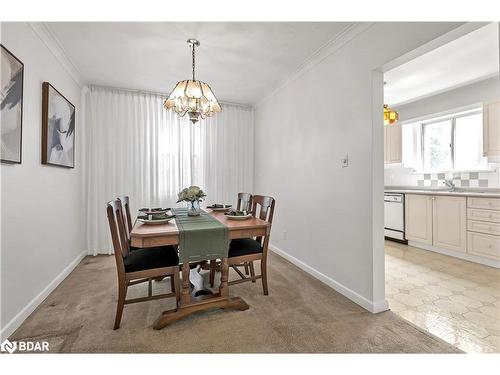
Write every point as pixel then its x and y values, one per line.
pixel 468 59
pixel 241 61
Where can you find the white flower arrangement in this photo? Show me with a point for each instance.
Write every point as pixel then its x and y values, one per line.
pixel 191 194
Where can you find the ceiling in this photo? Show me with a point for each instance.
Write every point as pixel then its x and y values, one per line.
pixel 241 61
pixel 470 58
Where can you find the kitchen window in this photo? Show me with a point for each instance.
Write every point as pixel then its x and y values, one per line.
pixel 450 143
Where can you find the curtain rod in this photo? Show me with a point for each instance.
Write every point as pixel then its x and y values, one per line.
pixel 162 94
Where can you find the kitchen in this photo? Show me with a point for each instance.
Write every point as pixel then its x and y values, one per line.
pixel 442 191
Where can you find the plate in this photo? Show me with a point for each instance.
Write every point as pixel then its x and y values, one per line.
pixel 220 209
pixel 155 222
pixel 231 217
pixel 155 212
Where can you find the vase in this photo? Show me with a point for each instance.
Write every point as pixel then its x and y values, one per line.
pixel 193 208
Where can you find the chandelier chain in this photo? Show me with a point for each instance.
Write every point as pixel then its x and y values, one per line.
pixel 193 60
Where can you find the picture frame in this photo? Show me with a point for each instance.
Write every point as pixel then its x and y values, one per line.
pixel 58 128
pixel 11 107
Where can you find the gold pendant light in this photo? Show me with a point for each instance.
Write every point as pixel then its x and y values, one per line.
pixel 193 97
pixel 390 115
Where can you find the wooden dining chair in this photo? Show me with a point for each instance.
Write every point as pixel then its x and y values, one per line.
pixel 247 250
pixel 140 265
pixel 244 202
pixel 127 218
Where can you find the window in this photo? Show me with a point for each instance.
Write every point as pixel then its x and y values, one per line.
pixel 437 145
pixel 448 143
pixel 469 142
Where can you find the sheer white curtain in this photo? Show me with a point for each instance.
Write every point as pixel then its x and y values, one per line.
pixel 137 148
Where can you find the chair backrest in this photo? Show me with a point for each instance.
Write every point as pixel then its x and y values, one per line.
pixel 118 236
pixel 263 208
pixel 127 219
pixel 244 202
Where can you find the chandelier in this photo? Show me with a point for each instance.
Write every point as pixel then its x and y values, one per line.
pixel 193 97
pixel 390 115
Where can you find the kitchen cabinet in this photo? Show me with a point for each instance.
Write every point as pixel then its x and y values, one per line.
pixel 440 221
pixel 491 128
pixel 449 223
pixel 418 218
pixel 484 245
pixel 392 144
pixel 483 228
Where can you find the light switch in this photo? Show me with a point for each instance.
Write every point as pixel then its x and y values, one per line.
pixel 345 161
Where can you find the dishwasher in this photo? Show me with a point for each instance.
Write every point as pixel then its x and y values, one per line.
pixel 394 216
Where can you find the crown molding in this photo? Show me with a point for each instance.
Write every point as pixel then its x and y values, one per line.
pixel 333 45
pixel 55 47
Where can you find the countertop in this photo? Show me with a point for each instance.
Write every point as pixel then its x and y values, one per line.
pixel 458 192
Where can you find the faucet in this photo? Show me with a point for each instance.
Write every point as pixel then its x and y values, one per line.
pixel 450 184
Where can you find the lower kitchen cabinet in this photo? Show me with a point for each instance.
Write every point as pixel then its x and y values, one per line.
pixel 466 225
pixel 440 221
pixel 418 218
pixel 484 245
pixel 449 222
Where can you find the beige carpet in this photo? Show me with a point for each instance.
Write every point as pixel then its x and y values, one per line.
pixel 301 314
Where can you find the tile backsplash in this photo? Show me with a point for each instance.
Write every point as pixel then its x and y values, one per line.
pixel 399 176
pixel 466 179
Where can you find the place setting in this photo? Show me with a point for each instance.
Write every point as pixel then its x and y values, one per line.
pixel 155 216
pixel 218 207
pixel 233 214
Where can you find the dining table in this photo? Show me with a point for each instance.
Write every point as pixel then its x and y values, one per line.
pixel 149 236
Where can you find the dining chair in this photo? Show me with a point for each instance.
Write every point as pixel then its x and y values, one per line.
pixel 244 202
pixel 248 250
pixel 127 218
pixel 140 265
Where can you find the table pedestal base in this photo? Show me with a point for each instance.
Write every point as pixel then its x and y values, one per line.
pixel 201 303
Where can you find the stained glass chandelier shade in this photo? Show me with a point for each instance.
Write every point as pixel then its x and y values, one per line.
pixel 192 96
pixel 390 115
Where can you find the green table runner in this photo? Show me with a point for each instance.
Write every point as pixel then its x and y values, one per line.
pixel 200 237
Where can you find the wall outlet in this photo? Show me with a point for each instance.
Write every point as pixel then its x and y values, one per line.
pixel 345 161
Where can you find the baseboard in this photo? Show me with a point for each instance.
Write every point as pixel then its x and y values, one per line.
pixel 14 324
pixel 456 254
pixel 372 306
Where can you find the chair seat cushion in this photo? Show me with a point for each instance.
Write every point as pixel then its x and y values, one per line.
pixel 146 259
pixel 244 246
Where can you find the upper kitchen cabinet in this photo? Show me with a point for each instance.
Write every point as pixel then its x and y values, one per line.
pixel 491 128
pixel 392 144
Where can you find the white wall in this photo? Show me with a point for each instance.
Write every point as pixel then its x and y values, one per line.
pixel 41 213
pixel 333 216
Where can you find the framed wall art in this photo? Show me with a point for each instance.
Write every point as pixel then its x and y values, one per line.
pixel 58 128
pixel 11 107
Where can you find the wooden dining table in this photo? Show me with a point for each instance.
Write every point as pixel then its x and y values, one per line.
pixel 146 236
